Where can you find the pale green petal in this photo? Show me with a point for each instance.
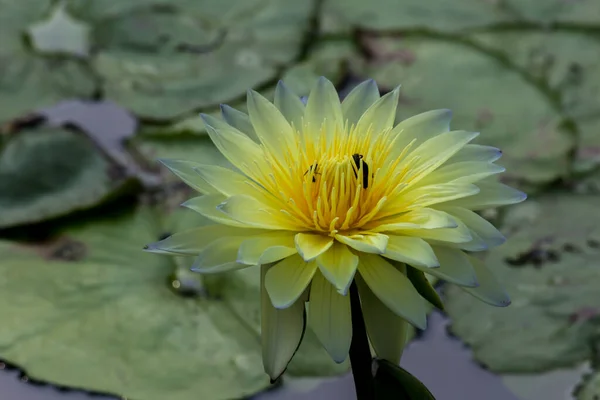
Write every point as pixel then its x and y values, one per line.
pixel 462 172
pixel 381 115
pixel 289 104
pixel 330 318
pixel 411 250
pixel 266 248
pixel 387 332
pixel 338 266
pixel 368 243
pixel 476 152
pixel 489 289
pixel 207 206
pixel 273 130
pixel 219 256
pixel 485 230
pixel 491 194
pixel 421 128
pixel 433 153
pixel 311 245
pixel 185 171
pixel 253 213
pixel 359 100
pixel 238 148
pixel 286 281
pixel 281 332
pixel 239 121
pixel 323 110
pixel 460 234
pixel 454 267
pixel 224 180
pixel 193 241
pixel 393 288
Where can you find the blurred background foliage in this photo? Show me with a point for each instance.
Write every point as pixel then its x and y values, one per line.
pixel 94 91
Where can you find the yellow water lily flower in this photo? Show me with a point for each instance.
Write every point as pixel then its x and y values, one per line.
pixel 323 190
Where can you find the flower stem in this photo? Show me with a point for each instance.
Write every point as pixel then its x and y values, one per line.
pixel 360 352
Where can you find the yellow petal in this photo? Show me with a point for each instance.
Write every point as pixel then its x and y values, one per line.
pixel 330 318
pixel 421 127
pixel 411 250
pixel 338 266
pixel 289 104
pixel 460 234
pixel 193 241
pixel 479 225
pixel 368 243
pixel 266 248
pixel 489 289
pixel 207 206
pixel 359 100
pixel 454 267
pixel 476 152
pixel 281 331
pixel 323 110
pixel 426 196
pixel 286 281
pixel 387 332
pixel 273 130
pixel 185 171
pixel 238 148
pixel 462 172
pixel 381 115
pixel 491 194
pixel 393 288
pixel 252 213
pixel 422 218
pixel 219 256
pixel 239 121
pixel 310 245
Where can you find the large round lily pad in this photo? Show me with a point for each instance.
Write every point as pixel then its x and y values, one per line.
pixel 550 268
pixel 91 310
pixel 47 172
pixel 164 59
pixel 485 95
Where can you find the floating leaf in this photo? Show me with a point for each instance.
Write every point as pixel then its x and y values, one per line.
pixel 484 94
pixel 47 172
pixel 60 34
pixel 549 266
pixel 394 382
pixel 164 62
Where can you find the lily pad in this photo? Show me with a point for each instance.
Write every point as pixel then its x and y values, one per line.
pixel 162 62
pixel 29 81
pixel 484 93
pixel 47 172
pixel 549 266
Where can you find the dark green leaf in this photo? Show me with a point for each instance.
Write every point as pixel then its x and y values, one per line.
pixel 392 382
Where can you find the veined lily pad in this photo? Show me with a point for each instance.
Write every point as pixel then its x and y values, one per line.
pixel 549 266
pixel 47 172
pixel 164 61
pixel 484 94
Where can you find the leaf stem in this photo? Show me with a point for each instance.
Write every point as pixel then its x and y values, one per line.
pixel 360 352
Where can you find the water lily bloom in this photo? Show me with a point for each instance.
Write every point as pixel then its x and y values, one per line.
pixel 327 193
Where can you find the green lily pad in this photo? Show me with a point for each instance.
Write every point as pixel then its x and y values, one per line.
pixel 29 81
pixel 163 62
pixel 590 389
pixel 549 266
pixel 47 172
pixel 484 94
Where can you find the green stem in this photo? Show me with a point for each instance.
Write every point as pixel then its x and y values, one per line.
pixel 360 352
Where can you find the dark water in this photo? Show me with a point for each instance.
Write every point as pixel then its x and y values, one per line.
pixel 443 363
